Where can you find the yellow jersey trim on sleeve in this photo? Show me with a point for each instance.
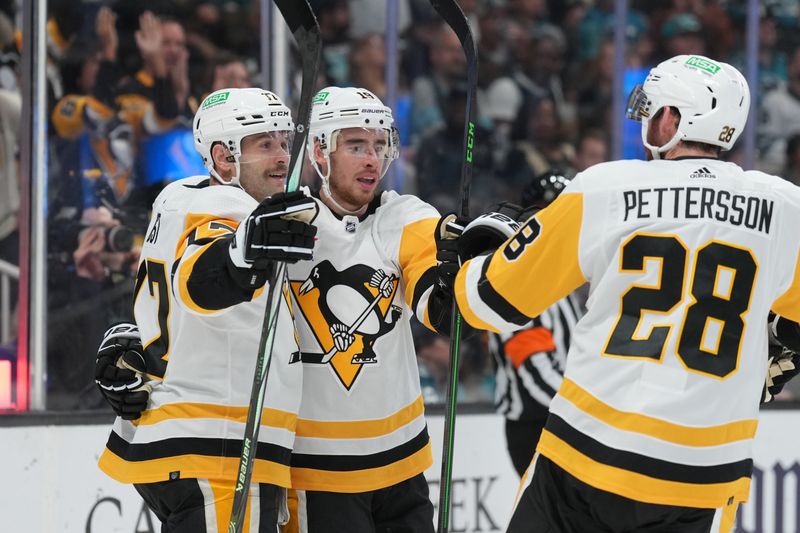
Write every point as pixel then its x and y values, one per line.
pixel 788 304
pixel 417 253
pixel 469 315
pixel 548 268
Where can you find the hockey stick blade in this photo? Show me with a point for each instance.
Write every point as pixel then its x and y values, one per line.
pixel 301 21
pixel 454 17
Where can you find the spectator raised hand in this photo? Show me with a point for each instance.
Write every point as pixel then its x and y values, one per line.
pixel 106 30
pixel 148 40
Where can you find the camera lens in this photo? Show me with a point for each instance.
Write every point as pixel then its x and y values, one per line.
pixel 119 239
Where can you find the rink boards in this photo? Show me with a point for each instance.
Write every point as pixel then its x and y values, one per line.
pixel 50 482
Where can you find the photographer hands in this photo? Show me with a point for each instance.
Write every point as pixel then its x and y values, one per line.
pixel 104 246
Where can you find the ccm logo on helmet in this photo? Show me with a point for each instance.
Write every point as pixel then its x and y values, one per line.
pixel 279 113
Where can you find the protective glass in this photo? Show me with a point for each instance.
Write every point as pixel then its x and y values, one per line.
pixel 273 145
pixel 380 144
pixel 638 104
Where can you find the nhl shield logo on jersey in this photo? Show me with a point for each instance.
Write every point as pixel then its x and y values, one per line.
pixel 347 312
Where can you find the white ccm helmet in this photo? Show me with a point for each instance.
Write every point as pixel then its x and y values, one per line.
pixel 337 108
pixel 229 115
pixel 712 97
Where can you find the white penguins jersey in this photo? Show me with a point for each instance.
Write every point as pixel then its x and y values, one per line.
pixel 685 259
pixel 194 317
pixel 361 425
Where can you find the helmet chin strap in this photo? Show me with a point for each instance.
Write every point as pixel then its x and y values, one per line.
pixel 657 151
pixel 234 179
pixel 326 187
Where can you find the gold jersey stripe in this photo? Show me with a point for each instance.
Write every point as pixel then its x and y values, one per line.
pixel 363 480
pixel 198 225
pixel 417 253
pixel 788 304
pixel 189 466
pixel 549 264
pixel 463 303
pixel 654 427
pixel 269 417
pixel 637 486
pixel 361 429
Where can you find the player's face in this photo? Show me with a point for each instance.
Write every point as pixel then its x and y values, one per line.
pixel 357 165
pixel 264 163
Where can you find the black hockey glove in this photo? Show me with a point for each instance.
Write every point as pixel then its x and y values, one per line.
pixel 448 232
pixel 784 332
pixel 440 301
pixel 485 234
pixel 278 229
pixel 780 370
pixel 119 371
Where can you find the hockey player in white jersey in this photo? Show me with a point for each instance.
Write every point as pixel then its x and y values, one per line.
pixel 199 302
pixel 652 427
pixel 362 442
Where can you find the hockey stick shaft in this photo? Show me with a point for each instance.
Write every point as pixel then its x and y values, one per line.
pixel 300 19
pixel 454 17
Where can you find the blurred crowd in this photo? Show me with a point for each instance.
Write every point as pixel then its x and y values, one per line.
pixel 125 78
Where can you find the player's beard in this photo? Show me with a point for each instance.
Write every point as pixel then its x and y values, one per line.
pixel 351 199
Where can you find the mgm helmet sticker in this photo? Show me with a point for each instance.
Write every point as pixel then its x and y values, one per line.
pixel 347 312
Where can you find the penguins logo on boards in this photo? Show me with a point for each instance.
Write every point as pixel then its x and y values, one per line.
pixel 347 312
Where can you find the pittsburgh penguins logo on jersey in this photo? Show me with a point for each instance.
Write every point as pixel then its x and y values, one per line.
pixel 347 312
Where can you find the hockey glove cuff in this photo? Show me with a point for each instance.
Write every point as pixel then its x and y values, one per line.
pixel 485 234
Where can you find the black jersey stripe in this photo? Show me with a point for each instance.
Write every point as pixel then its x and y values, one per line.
pixel 496 302
pixel 193 446
pixel 648 466
pixel 211 284
pixel 344 463
pixel 426 280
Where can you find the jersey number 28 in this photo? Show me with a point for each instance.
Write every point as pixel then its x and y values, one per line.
pixel 711 331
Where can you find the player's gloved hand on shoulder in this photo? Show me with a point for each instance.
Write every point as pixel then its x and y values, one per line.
pixel 120 371
pixel 448 232
pixel 780 369
pixel 487 233
pixel 278 229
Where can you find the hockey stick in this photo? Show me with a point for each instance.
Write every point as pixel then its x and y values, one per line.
pixel 454 17
pixel 303 25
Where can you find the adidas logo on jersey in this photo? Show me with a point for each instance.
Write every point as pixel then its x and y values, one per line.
pixel 702 172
